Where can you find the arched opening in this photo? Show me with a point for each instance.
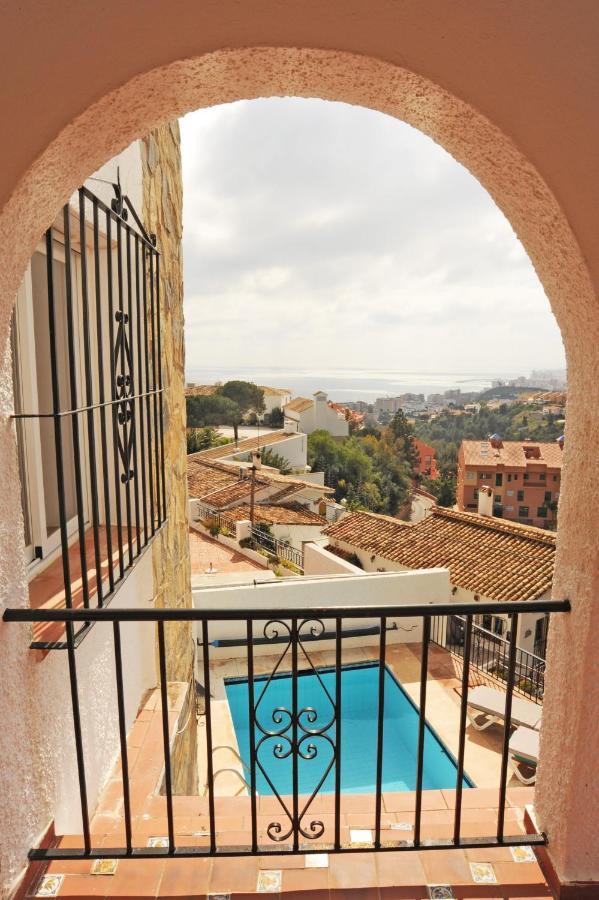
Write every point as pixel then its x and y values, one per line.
pixel 511 179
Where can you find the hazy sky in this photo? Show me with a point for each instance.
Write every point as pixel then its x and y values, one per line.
pixel 320 234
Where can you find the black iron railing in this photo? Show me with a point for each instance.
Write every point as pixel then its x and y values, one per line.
pixel 261 536
pixel 296 732
pixel 110 288
pixel 220 520
pixel 278 548
pixel 490 655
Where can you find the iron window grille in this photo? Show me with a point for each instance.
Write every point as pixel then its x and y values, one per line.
pixel 101 323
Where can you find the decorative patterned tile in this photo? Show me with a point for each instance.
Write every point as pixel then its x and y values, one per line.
pixel 269 881
pixel 483 873
pixel 440 892
pixel 157 842
pixel 317 861
pixel 49 886
pixel 104 867
pixel 523 854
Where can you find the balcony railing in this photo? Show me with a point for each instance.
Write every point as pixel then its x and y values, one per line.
pixel 296 732
pixel 261 537
pixel 490 655
pixel 278 548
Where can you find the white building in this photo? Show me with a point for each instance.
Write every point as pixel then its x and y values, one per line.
pixel 274 398
pixel 307 416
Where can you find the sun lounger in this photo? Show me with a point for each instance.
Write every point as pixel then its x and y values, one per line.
pixel 490 704
pixel 524 750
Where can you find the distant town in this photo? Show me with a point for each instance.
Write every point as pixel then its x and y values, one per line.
pixel 495 452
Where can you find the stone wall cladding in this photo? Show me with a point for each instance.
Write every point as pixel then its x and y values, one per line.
pixel 162 215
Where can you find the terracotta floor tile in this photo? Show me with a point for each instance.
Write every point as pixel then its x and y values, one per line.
pixel 86 885
pixel 355 870
pixel 371 893
pixel 283 861
pixel 135 878
pixel 301 895
pixel 185 878
pixel 402 893
pixel 234 875
pixel 306 880
pixel 445 867
pixel 400 869
pixel 509 873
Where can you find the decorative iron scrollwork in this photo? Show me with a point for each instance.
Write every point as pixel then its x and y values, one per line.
pixel 124 391
pixel 298 734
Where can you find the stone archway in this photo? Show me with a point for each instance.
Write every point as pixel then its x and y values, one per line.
pixel 130 111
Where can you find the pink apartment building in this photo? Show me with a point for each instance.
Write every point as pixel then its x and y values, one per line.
pixel 524 476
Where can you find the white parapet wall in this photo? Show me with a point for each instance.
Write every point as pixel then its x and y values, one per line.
pixel 304 595
pixel 318 561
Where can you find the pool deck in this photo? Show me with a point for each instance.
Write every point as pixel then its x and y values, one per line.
pixel 315 875
pixel 483 749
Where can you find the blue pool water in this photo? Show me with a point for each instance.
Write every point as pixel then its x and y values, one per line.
pixel 359 692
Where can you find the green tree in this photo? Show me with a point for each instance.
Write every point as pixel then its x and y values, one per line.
pixel 276 417
pixel 275 460
pixel 213 409
pixel 203 438
pixel 403 434
pixel 248 396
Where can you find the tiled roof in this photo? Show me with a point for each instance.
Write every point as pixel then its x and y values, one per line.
pixel 202 479
pixel 200 390
pixel 511 453
pixel 230 493
pixel 492 557
pixel 282 514
pixel 243 446
pixel 272 390
pixel 299 404
pixel 368 531
pixel 285 492
pixel 219 484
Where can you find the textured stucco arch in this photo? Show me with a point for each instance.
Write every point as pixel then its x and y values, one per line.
pixel 160 94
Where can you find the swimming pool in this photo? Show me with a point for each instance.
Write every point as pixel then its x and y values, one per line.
pixel 359 693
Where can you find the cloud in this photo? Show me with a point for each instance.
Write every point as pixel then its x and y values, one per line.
pixel 318 234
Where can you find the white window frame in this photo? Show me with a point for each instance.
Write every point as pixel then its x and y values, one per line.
pixel 24 342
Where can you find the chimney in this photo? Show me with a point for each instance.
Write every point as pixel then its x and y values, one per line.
pixel 485 501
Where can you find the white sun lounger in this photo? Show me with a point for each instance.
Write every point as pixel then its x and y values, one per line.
pixel 490 704
pixel 524 749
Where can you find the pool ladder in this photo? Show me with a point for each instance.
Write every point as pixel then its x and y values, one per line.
pixel 236 772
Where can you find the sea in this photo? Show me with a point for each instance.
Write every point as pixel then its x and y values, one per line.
pixel 351 383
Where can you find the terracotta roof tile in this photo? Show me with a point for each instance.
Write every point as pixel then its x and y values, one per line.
pixel 281 514
pixel 492 557
pixel 243 446
pixel 219 484
pixel 511 453
pixel 299 404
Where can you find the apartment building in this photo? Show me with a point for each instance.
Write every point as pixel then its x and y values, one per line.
pixel 426 462
pixel 524 477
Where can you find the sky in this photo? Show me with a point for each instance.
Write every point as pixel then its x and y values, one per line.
pixel 319 234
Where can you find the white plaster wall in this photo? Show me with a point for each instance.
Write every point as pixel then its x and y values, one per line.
pixel 128 164
pixel 318 561
pixel 297 535
pixel 305 594
pixel 37 774
pixel 294 449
